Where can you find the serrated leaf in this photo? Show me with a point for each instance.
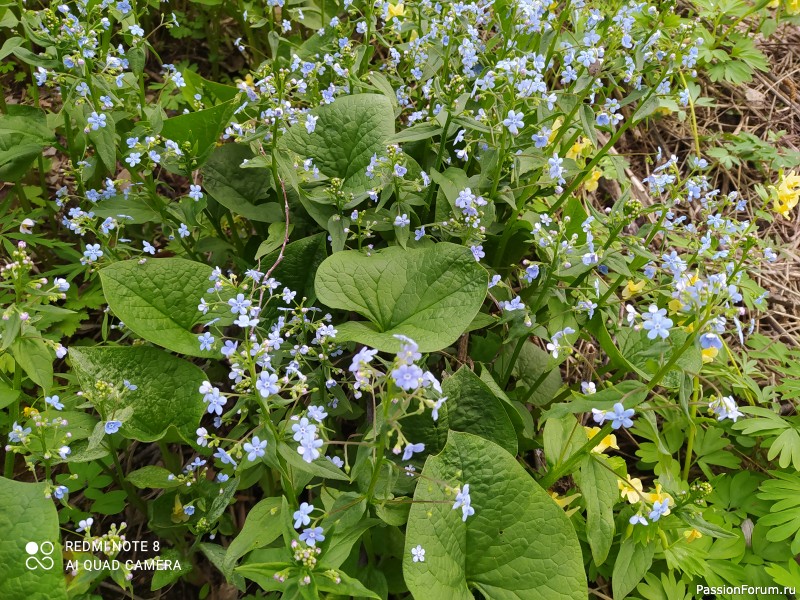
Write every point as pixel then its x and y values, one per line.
pixel 430 294
pixel 492 552
pixel 167 393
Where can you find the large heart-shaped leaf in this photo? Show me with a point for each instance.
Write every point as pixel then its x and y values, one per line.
pixel 158 300
pixel 471 407
pixel 349 131
pixel 428 294
pixel 199 129
pixel 243 191
pixel 519 544
pixel 30 550
pixel 167 393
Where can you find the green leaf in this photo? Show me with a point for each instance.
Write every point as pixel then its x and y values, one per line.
pixel 492 551
pixel 152 477
pixel 349 131
pixel 297 269
pixel 347 586
pixel 473 408
pixel 158 300
pixel 633 561
pixel 200 129
pixel 598 484
pixel 537 380
pixel 28 519
pixel 321 467
pixel 166 397
pixel 104 141
pixel 429 294
pixel 243 191
pixel 36 359
pixel 262 526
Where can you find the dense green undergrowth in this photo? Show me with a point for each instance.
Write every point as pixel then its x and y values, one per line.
pixel 333 299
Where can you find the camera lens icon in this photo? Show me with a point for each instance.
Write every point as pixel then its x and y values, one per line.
pixel 39 556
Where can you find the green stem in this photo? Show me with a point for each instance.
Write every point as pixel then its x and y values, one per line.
pixel 13 415
pixel 687 464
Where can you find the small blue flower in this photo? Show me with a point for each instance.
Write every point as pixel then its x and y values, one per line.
pixel 659 509
pixel 97 121
pixel 255 449
pixel 656 323
pixel 54 402
pixel 206 341
pixel 620 417
pixel 301 517
pixel 195 192
pixel 112 426
pixel 411 449
pixel 312 535
pixel 514 122
pixel 188 510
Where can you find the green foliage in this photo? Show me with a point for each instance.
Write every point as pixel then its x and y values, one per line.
pixel 489 553
pixel 430 294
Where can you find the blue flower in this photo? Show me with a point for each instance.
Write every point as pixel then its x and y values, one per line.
pixel 188 510
pixel 656 322
pixel 112 426
pixel 206 341
pixel 97 121
pixel 411 449
pixel 312 535
pixel 54 402
pixel 402 220
pixel 92 252
pixel 514 122
pixel 620 417
pixel 660 509
pixel 301 517
pixel 195 192
pixel 255 449
pixel 407 377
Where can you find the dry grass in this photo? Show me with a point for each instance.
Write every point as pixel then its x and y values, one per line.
pixel 769 104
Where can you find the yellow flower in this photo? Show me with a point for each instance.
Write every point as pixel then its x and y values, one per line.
pixel 610 441
pixel 397 10
pixel 709 354
pixel 659 496
pixel 556 126
pixel 29 411
pixel 675 305
pixel 788 192
pixel 692 534
pixel 632 289
pixel 564 502
pixel 577 147
pixel 591 185
pixel 633 492
pixel 793 7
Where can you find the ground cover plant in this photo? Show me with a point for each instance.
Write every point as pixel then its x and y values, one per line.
pixel 333 299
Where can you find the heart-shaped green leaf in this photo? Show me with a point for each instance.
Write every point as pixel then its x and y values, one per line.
pixel 349 131
pixel 428 294
pixel 167 393
pixel 158 300
pixel 30 550
pixel 519 544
